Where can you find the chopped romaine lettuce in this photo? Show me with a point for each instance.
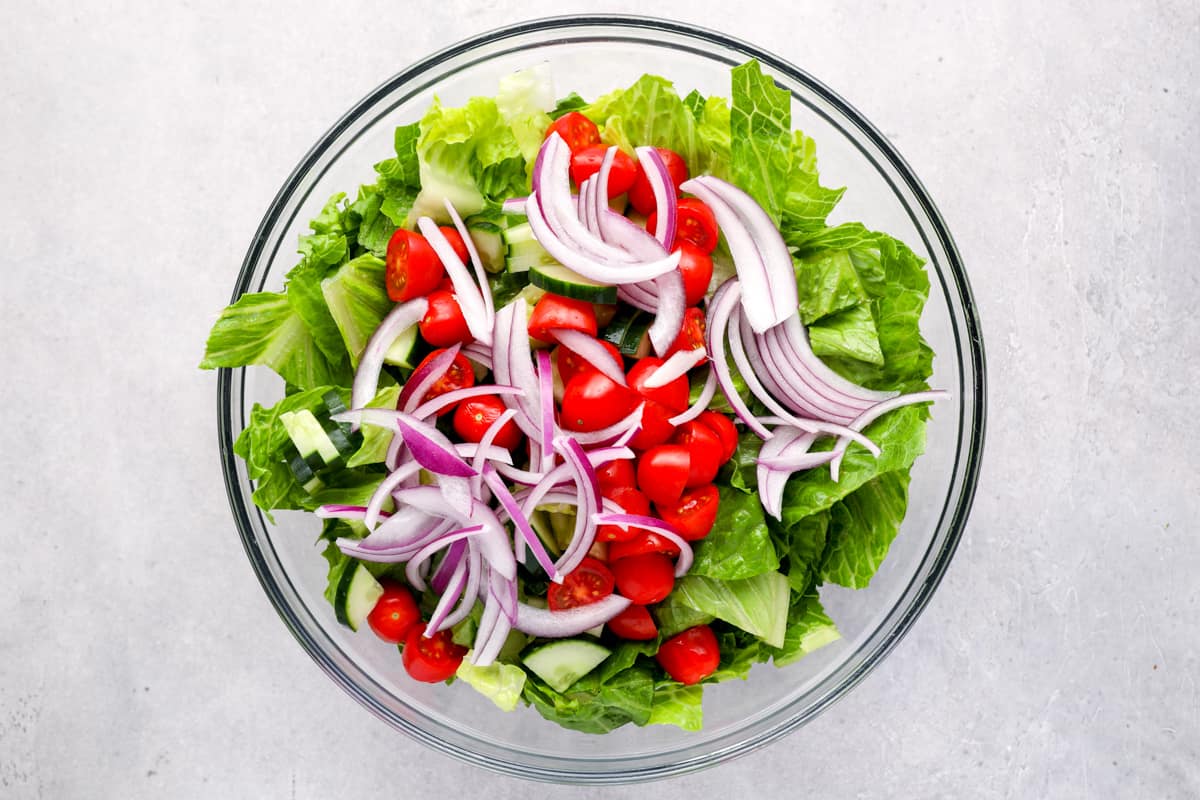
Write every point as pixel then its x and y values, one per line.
pixel 757 605
pixel 499 682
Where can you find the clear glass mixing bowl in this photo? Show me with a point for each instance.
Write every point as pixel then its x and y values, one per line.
pixel 592 55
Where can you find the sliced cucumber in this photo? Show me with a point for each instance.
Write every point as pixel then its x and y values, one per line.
pixel 356 594
pixel 308 435
pixel 488 238
pixel 539 520
pixel 567 282
pixel 628 330
pixel 522 249
pixel 565 661
pixel 404 351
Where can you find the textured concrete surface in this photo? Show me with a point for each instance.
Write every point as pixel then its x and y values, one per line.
pixel 140 145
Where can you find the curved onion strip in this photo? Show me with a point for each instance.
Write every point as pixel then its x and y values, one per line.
pixel 654 525
pixel 588 487
pixel 593 352
pixel 412 569
pixel 423 379
pixel 337 511
pixel 787 440
pixel 701 405
pixel 370 363
pixel 790 464
pixel 514 206
pixel 406 544
pixel 521 521
pixel 503 368
pixel 545 374
pixel 474 570
pixel 719 310
pixel 669 313
pixel 479 353
pixel 493 543
pixel 636 295
pixel 487 621
pixel 485 442
pixel 666 199
pixel 630 236
pixel 384 491
pixel 451 589
pixel 468 294
pixel 573 621
pixel 455 557
pixel 613 431
pixel 563 216
pixel 874 413
pixel 485 288
pixel 778 372
pixel 429 446
pixel 431 407
pixel 675 367
pixel 794 337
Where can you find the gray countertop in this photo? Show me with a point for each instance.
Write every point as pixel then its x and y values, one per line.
pixel 140 658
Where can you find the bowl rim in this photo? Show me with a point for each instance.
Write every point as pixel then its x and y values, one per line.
pixel 972 429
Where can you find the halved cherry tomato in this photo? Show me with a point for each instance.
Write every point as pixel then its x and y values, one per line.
pixel 644 579
pixel 394 613
pixel 444 324
pixel 691 656
pixel 618 474
pixel 456 242
pixel 634 623
pixel 696 224
pixel 576 130
pixel 644 542
pixel 726 432
pixel 473 417
pixel 641 195
pixel 586 162
pixel 433 659
pixel 570 363
pixel 693 514
pixel 588 583
pixel 704 447
pixel 458 376
pixel 633 502
pixel 592 401
pixel 656 426
pixel 554 311
pixel 413 268
pixel 697 268
pixel 691 333
pixel 663 473
pixel 674 395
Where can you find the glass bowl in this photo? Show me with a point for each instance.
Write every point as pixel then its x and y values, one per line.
pixel 592 55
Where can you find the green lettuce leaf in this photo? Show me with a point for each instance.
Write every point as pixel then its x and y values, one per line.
pixel 807 203
pixel 803 544
pixel 523 99
pixel 399 178
pixel 674 616
pixel 499 682
pixel 760 125
pixel 827 282
pixel 809 628
pixel 739 545
pixel 739 652
pixel 593 706
pixel 861 530
pixel 374 227
pixel 741 471
pixel 678 705
pixel 572 102
pixel 757 605
pixel 357 300
pixel 376 438
pixel 849 333
pixel 840 237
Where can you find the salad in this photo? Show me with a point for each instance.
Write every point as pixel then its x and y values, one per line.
pixel 589 398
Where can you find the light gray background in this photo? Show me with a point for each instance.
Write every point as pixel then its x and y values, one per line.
pixel 140 145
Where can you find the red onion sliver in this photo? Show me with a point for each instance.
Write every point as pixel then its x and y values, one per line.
pixel 451 589
pixel 654 525
pixel 469 295
pixel 514 206
pixel 701 405
pixel 431 407
pixel 411 570
pixel 423 379
pixel 336 511
pixel 588 487
pixel 429 446
pixel 455 557
pixel 545 374
pixel 786 441
pixel 384 491
pixel 675 367
pixel 366 377
pixel 474 571
pixel 669 313
pixel 629 236
pixel 796 463
pixel 720 308
pixel 561 214
pixel 666 198
pixel 874 413
pixel 521 522
pixel 637 296
pixel 479 353
pixel 485 288
pixel 485 443
pixel 593 352
pixel 572 622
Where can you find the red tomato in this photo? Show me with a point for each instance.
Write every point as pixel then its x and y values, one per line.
pixel 663 473
pixel 413 269
pixel 641 196
pixel 444 324
pixel 570 363
pixel 456 242
pixel 586 162
pixel 617 474
pixel 446 285
pixel 473 417
pixel 592 401
pixel 458 376
pixel 644 579
pixel 431 660
pixel 691 333
pixel 697 268
pixel 634 623
pixel 693 514
pixel 704 447
pixel 644 542
pixel 723 427
pixel 633 502
pixel 554 311
pixel 394 613
pixel 656 426
pixel 674 395
pixel 589 582
pixel 691 656
pixel 696 224
pixel 576 130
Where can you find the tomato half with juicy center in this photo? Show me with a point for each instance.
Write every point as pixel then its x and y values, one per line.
pixel 694 513
pixel 588 583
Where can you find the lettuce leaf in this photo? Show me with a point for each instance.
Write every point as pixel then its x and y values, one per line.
pixel 356 299
pixel 595 706
pixel 499 682
pixel 849 333
pixel 826 283
pixel 739 545
pixel 678 705
pixel 673 616
pixel 376 438
pixel 808 628
pixel 861 530
pixel 523 99
pixel 757 605
pixel 803 544
pixel 760 126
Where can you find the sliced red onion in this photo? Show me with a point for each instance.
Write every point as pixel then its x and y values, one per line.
pixel 457 492
pixel 668 315
pixel 486 651
pixel 429 446
pixel 521 522
pixel 701 405
pixel 401 529
pixel 641 298
pixel 431 407
pixel 474 569
pixel 605 435
pixel 587 209
pixel 593 352
pixel 336 511
pixel 793 336
pixel 545 374
pixel 786 441
pixel 491 452
pixel 514 206
pixel 785 379
pixel 509 351
pixel 588 487
pixel 760 255
pixel 384 491
pixel 485 288
pixel 487 623
pixel 404 543
pixel 874 413
pixel 411 570
pixel 469 295
pixel 505 591
pixel 366 377
pixel 479 353
pixel 790 464
pixel 454 558
pixel 424 377
pixel 521 476
pixel 720 307
pixel 629 236
pixel 666 199
pixel 572 622
pixel 675 367
pixel 493 543
pixel 451 589
pixel 485 443
pixel 654 525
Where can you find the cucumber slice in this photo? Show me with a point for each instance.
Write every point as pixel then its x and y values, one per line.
pixel 522 250
pixel 308 435
pixel 539 520
pixel 567 282
pixel 356 594
pixel 488 238
pixel 403 352
pixel 565 661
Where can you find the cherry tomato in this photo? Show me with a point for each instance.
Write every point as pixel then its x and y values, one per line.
pixel 696 224
pixel 576 130
pixel 570 363
pixel 691 656
pixel 592 401
pixel 697 268
pixel 723 427
pixel 641 195
pixel 444 324
pixel 633 502
pixel 691 333
pixel 618 474
pixel 644 542
pixel 663 473
pixel 586 162
pixel 644 579
pixel 693 514
pixel 704 448
pixel 446 285
pixel 394 613
pixel 674 395
pixel 413 269
pixel 458 376
pixel 634 623
pixel 456 242
pixel 433 659
pixel 473 417
pixel 554 311
pixel 656 426
pixel 589 582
